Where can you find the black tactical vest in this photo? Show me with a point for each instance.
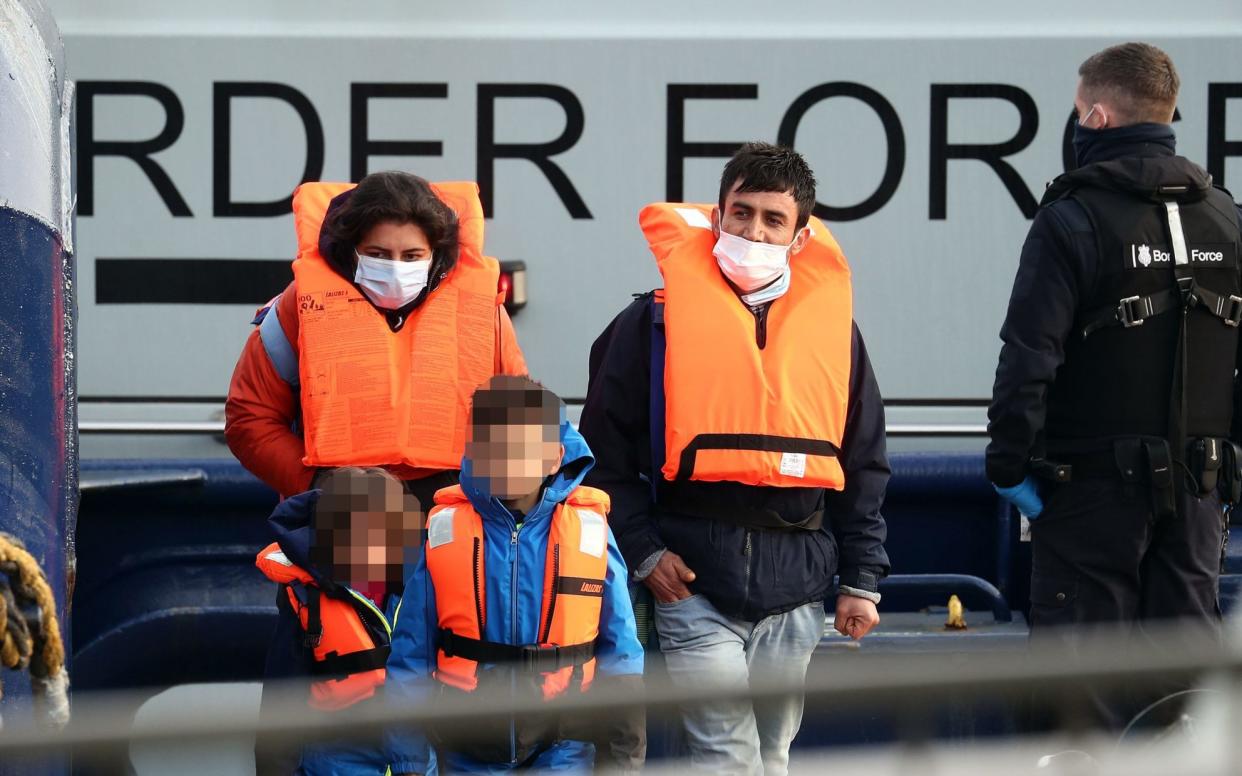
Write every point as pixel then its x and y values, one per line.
pixel 1156 288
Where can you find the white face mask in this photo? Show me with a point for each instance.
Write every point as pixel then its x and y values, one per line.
pixel 749 265
pixel 391 284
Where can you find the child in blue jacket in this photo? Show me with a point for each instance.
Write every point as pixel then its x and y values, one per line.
pixel 518 556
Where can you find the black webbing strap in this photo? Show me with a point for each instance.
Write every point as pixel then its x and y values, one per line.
pixel 533 657
pixel 757 442
pixel 314 623
pixel 1179 411
pixel 341 666
pixel 1134 310
pixel 1227 307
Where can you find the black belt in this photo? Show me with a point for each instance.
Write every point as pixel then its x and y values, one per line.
pixel 533 657
pixel 1130 459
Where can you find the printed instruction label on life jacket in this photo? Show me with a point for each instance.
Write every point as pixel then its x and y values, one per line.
pixel 440 531
pixel 1152 256
pixel 594 536
pixel 793 464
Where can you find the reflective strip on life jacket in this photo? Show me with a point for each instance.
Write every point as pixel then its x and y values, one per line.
pixel 734 411
pixel 342 645
pixel 374 397
pixel 575 568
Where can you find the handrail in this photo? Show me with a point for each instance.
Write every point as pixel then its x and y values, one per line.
pixel 217 427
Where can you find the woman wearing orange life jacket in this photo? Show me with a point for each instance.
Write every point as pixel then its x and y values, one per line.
pixel 369 357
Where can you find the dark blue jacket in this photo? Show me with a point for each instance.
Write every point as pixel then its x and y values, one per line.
pixel 514 565
pixel 289 659
pixel 1056 275
pixel 782 570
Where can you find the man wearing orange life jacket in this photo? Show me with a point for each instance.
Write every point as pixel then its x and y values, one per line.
pixel 739 429
pixel 521 588
pixel 337 598
pixel 369 357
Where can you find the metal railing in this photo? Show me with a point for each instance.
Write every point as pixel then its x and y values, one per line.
pixel 910 686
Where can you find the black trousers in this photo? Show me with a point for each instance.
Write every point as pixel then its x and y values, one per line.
pixel 1102 563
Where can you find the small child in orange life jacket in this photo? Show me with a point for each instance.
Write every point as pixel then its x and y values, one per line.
pixel 338 558
pixel 521 589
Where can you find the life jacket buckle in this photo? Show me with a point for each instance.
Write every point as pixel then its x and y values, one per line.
pixel 1134 311
pixel 535 657
pixel 1234 315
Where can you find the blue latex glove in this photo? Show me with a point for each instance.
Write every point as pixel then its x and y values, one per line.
pixel 1024 496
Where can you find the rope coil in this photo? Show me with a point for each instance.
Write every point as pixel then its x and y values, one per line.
pixel 30 638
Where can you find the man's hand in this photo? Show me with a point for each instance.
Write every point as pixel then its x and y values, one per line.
pixel 667 581
pixel 855 616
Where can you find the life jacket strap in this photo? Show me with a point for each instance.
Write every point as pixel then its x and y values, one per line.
pixel 535 658
pixel 341 666
pixel 1135 310
pixel 659 346
pixel 277 346
pixel 314 622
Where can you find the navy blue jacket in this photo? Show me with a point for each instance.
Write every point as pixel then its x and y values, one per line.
pixel 1057 269
pixel 289 659
pixel 783 570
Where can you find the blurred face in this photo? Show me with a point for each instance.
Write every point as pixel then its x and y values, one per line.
pixel 763 217
pixel 396 242
pixel 370 536
pixel 514 459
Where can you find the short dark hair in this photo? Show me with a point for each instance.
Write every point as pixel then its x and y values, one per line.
pixel 396 197
pixel 767 167
pixel 508 400
pixel 1138 78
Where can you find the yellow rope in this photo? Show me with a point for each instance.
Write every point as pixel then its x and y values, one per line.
pixel 27 580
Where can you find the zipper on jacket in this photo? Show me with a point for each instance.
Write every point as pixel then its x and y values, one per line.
pixel 513 632
pixel 373 609
pixel 556 578
pixel 478 595
pixel 761 324
pixel 746 551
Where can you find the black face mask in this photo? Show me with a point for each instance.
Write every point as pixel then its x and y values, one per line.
pixel 1091 144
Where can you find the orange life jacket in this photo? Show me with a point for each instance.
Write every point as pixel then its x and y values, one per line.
pixel 574 573
pixel 346 655
pixel 374 397
pixel 734 411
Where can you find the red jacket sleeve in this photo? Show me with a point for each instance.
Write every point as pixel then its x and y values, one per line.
pixel 511 360
pixel 261 409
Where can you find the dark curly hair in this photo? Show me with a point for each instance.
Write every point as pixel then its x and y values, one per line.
pixel 392 196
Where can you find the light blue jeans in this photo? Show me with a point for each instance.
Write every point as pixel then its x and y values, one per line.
pixel 703 647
